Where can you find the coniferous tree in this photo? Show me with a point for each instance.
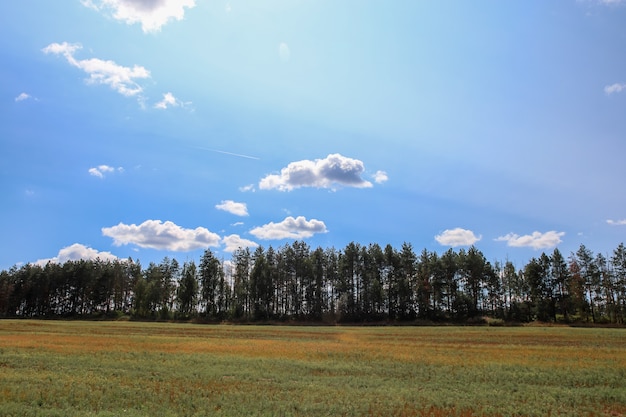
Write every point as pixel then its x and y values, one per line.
pixel 605 292
pixel 349 281
pixel 509 286
pixel 535 274
pixel 561 283
pixel 589 274
pixel 618 262
pixel 332 278
pixel 450 274
pixel 423 288
pixel 392 281
pixel 474 273
pixel 495 290
pixel 187 291
pixel 260 285
pixel 374 267
pixel 6 291
pixel 318 265
pixel 211 276
pixel 242 260
pixel 406 275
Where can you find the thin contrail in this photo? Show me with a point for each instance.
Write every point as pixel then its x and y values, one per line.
pixel 230 153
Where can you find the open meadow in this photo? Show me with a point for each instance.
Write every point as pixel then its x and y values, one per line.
pixel 80 368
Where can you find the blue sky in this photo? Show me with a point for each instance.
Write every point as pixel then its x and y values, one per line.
pixel 152 128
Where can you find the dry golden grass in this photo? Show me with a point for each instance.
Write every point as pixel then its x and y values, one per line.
pixel 129 368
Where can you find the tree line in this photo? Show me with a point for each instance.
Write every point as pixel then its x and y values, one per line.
pixel 360 283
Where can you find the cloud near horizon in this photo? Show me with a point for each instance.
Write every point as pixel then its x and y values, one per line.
pixel 238 209
pixel 290 228
pixel 119 78
pixel 329 172
pixel 536 240
pixel 77 252
pixel 617 222
pixel 234 242
pixel 457 237
pixel 154 234
pixel 152 14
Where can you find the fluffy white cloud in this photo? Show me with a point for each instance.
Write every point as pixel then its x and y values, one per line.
pixel 333 170
pixel 155 234
pixel 101 170
pixel 238 209
pixel 152 14
pixel 290 228
pixel 169 101
pixel 76 252
pixel 234 242
pixel 22 97
pixel 457 237
pixel 283 52
pixel 121 79
pixel 380 177
pixel 617 222
pixel 614 88
pixel 536 240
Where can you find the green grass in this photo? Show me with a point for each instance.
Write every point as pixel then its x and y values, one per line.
pixel 54 368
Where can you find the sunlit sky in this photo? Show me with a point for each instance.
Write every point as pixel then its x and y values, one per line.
pixel 153 128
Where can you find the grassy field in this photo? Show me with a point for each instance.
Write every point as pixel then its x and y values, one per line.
pixel 56 368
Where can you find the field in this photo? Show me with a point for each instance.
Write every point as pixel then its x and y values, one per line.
pixel 56 368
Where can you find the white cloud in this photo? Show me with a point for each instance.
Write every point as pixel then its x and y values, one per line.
pixel 77 252
pixel 457 237
pixel 617 222
pixel 234 242
pixel 536 240
pixel 614 88
pixel 22 97
pixel 121 79
pixel 65 49
pixel 380 177
pixel 238 209
pixel 333 170
pixel 290 228
pixel 170 101
pixel 283 52
pixel 152 14
pixel 155 234
pixel 101 170
pixel 247 188
pixel 228 267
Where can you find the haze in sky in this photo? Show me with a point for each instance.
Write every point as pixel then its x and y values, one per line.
pixel 153 128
